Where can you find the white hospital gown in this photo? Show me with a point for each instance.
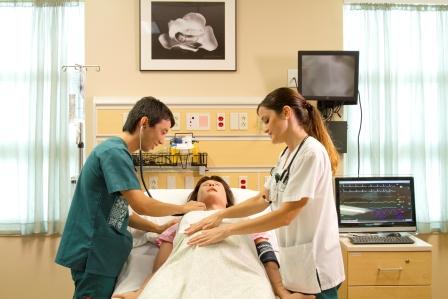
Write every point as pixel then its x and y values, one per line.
pixel 227 270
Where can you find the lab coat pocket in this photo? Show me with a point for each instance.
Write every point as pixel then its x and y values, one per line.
pixel 298 268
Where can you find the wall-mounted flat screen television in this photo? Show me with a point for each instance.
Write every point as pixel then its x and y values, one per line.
pixel 330 77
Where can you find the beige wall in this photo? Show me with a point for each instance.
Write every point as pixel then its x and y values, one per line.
pixel 269 34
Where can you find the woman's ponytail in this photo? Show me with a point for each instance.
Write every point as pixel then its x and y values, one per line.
pixel 318 130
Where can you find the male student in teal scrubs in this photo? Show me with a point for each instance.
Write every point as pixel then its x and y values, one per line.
pixel 95 243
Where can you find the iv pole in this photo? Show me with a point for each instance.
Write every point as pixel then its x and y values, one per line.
pixel 80 138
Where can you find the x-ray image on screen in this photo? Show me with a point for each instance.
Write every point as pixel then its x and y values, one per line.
pixel 328 75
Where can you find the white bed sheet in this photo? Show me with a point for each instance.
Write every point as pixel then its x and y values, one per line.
pixel 141 259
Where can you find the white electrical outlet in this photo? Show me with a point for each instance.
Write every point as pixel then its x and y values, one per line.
pixel 176 126
pixel 234 121
pixel 293 77
pixel 220 121
pixel 243 121
pixel 153 182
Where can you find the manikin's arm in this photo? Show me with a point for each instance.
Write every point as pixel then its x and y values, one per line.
pixel 273 272
pixel 164 252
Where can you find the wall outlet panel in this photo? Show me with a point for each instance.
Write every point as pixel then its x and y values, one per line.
pixel 220 121
pixel 176 126
pixel 243 121
pixel 153 182
pixel 198 121
pixel 242 182
pixel 234 121
pixel 203 121
pixel 192 121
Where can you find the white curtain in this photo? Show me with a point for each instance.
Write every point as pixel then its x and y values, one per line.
pixel 36 147
pixel 403 85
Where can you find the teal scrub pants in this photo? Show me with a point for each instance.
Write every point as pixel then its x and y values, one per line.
pixel 328 294
pixel 92 286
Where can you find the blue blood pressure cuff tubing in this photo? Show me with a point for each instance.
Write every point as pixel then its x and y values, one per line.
pixel 266 253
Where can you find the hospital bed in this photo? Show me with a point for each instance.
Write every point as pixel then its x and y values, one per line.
pixel 140 261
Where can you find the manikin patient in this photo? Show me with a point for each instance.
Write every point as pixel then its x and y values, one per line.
pixel 229 269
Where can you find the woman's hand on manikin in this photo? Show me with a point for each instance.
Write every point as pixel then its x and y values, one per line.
pixel 210 236
pixel 208 222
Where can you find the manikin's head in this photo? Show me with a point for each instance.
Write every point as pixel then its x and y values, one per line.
pixel 214 192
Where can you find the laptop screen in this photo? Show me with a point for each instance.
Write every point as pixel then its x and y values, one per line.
pixel 375 204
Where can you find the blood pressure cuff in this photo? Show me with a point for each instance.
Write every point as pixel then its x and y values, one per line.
pixel 266 253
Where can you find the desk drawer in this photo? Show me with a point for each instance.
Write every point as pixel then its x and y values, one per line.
pixel 395 292
pixel 389 268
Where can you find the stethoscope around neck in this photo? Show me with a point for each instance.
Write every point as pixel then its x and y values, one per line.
pixel 141 166
pixel 284 176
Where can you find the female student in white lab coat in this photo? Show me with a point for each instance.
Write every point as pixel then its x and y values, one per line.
pixel 300 190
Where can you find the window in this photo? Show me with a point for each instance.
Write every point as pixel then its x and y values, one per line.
pixel 404 87
pixel 35 155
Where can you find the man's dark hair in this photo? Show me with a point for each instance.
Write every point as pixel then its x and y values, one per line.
pixel 150 107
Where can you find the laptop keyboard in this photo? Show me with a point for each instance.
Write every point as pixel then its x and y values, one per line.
pixel 375 239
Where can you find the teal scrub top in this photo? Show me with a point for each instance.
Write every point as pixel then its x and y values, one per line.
pixel 95 237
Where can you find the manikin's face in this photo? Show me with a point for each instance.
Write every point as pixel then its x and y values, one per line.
pixel 213 194
pixel 154 136
pixel 274 124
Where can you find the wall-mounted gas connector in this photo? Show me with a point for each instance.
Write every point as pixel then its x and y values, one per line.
pixel 293 77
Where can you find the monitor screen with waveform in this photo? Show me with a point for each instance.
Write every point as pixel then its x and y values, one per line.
pixel 375 204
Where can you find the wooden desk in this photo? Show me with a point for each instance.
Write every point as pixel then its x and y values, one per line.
pixel 393 271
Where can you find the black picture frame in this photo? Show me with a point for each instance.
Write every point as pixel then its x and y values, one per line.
pixel 187 35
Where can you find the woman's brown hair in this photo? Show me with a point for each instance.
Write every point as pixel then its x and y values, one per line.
pixel 307 115
pixel 229 195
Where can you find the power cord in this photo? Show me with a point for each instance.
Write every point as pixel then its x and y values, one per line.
pixel 359 132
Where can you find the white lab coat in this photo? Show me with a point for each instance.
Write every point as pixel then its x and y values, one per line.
pixel 310 243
